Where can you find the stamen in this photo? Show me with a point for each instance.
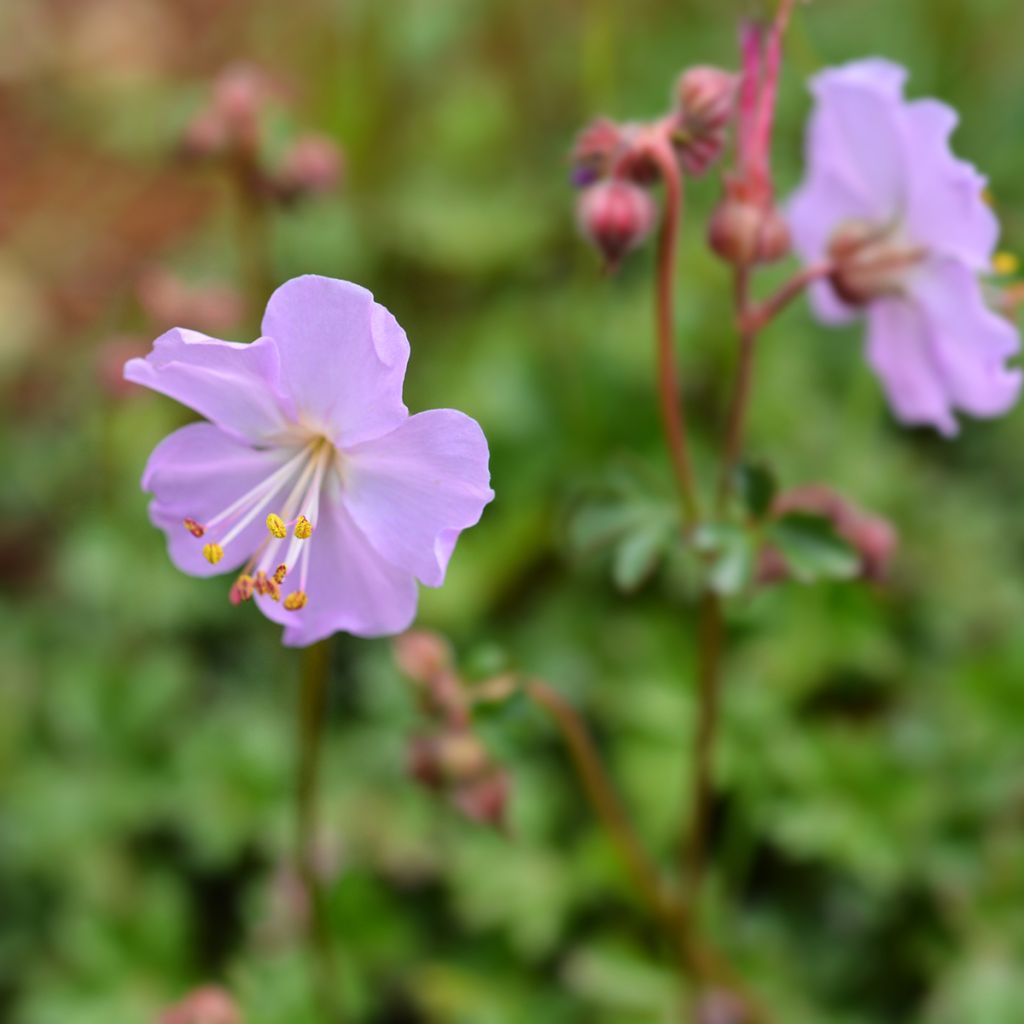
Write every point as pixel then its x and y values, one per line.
pixel 295 600
pixel 303 528
pixel 279 573
pixel 276 526
pixel 213 553
pixel 194 528
pixel 241 589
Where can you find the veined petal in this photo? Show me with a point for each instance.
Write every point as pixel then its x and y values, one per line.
pixel 900 352
pixel 349 586
pixel 343 357
pixel 235 386
pixel 970 343
pixel 195 473
pixel 412 491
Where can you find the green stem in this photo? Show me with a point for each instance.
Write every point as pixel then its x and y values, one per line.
pixel 312 710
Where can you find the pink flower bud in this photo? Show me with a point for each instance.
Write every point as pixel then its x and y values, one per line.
pixel 312 166
pixel 169 301
pixel 485 799
pixel 720 1007
pixel 206 135
pixel 705 103
pixel 207 1005
pixel 616 216
pixel 594 153
pixel 422 654
pixel 240 95
pixel 744 233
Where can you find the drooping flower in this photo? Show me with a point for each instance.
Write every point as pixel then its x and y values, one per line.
pixel 310 476
pixel 908 232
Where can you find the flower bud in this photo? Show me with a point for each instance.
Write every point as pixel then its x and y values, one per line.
pixel 616 216
pixel 720 1007
pixel 594 153
pixel 705 103
pixel 313 165
pixel 422 654
pixel 868 263
pixel 485 799
pixel 744 233
pixel 207 1005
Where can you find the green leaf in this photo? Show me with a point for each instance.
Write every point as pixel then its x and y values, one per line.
pixel 812 549
pixel 639 554
pixel 757 486
pixel 732 551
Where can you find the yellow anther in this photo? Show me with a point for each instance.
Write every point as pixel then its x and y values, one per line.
pixel 303 528
pixel 295 600
pixel 1005 264
pixel 275 524
pixel 279 573
pixel 273 590
pixel 244 586
pixel 213 553
pixel 194 528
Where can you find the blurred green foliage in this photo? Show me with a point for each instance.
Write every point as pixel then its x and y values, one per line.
pixel 869 831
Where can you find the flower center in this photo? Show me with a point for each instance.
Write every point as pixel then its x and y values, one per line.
pixel 289 499
pixel 870 261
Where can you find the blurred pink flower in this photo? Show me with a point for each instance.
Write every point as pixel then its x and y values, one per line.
pixel 210 1004
pixel 311 476
pixel 905 224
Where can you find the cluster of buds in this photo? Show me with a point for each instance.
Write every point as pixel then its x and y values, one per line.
pixel 448 758
pixel 872 537
pixel 614 165
pixel 210 1004
pixel 168 300
pixel 230 129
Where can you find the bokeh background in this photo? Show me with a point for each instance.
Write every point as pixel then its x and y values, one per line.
pixel 869 828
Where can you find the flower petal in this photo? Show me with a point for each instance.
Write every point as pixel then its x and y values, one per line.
pixel 343 357
pixel 856 135
pixel 349 586
pixel 946 210
pixel 899 351
pixel 970 343
pixel 197 472
pixel 235 386
pixel 412 491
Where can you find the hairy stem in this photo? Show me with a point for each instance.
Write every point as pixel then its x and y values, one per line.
pixel 669 389
pixel 603 799
pixel 312 710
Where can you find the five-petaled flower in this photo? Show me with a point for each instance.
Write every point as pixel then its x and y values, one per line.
pixel 908 232
pixel 311 477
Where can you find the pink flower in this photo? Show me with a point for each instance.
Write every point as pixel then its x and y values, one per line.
pixel 311 477
pixel 908 232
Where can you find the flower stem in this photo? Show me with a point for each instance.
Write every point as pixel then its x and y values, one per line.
pixel 253 227
pixel 312 709
pixel 709 654
pixel 604 800
pixel 669 389
pixel 757 318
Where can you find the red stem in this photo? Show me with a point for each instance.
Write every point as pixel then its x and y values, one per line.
pixel 669 389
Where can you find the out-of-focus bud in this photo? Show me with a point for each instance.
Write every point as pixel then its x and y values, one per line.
pixel 616 216
pixel 485 799
pixel 168 301
pixel 312 166
pixel 720 1007
pixel 423 763
pixel 207 1005
pixel 461 755
pixel 595 151
pixel 868 263
pixel 745 233
pixel 871 536
pixel 422 654
pixel 240 96
pixel 705 102
pixel 206 135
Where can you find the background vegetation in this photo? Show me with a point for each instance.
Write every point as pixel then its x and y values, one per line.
pixel 868 840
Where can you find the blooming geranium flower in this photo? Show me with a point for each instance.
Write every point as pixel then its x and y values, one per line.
pixel 311 477
pixel 908 232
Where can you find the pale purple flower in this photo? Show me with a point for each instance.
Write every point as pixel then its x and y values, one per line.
pixel 908 228
pixel 311 477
